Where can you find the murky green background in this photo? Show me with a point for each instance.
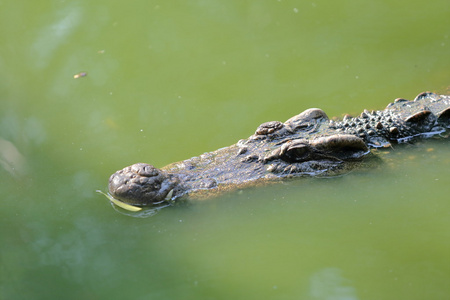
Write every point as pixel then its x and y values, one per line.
pixel 168 80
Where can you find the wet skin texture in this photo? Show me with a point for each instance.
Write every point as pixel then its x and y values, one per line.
pixel 308 144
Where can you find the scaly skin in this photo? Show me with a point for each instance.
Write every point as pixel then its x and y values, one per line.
pixel 307 144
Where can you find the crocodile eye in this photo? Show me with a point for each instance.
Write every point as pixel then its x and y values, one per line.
pixel 341 146
pixel 293 151
pixel 297 153
pixel 444 117
pixel 419 116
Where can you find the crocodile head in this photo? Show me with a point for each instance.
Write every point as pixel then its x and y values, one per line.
pixel 300 146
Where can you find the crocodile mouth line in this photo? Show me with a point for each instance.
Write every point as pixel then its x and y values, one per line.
pixel 119 203
pixel 130 207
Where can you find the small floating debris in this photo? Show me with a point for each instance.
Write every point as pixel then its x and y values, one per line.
pixel 79 75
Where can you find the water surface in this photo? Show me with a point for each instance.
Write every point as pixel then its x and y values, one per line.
pixel 167 81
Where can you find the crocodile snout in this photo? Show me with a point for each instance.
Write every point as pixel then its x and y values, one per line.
pixel 140 184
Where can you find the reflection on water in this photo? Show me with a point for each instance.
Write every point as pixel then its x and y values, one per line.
pixel 51 37
pixel 27 131
pixel 11 159
pixel 26 134
pixel 328 284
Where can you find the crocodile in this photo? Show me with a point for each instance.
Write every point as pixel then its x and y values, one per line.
pixel 308 144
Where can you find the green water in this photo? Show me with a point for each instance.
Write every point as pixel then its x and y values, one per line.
pixel 167 81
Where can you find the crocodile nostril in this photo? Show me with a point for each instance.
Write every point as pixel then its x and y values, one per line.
pixel 143 169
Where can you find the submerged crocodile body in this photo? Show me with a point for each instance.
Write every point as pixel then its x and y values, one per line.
pixel 306 144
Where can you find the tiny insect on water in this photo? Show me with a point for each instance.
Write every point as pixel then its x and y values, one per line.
pixel 79 75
